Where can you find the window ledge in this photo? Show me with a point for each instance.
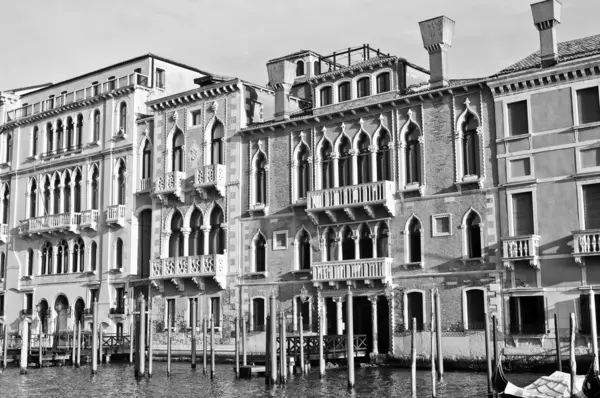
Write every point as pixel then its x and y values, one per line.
pixel 417 264
pixel 116 270
pixel 587 125
pixel 299 202
pixel 263 274
pixel 32 157
pixel 514 137
pixel 413 187
pixel 4 165
pixel 466 259
pixel 90 272
pixel 93 144
pixel 26 278
pixel 302 271
pixel 119 135
pixel 528 181
pixel 585 174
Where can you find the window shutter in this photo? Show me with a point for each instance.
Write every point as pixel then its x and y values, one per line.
pixel 591 201
pixel 522 213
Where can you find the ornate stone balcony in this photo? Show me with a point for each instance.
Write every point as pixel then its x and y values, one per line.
pixel 371 197
pixel 115 216
pixel 51 224
pixel 366 270
pixel 212 175
pixel 3 233
pixel 171 183
pixel 194 267
pixel 586 243
pixel 144 185
pixel 517 248
pixel 89 219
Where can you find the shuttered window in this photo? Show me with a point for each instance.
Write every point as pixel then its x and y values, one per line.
pixel 522 213
pixel 591 206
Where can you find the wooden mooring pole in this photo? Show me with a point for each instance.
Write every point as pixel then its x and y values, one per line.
pixel 95 339
pixel 432 342
pixel 5 347
pixel 283 350
pixel 150 338
pixel 350 337
pixel 267 351
pixel 594 326
pixel 413 356
pixel 204 346
pixel 557 337
pixel 78 344
pixel 24 345
pixel 321 353
pixel 488 355
pixel 573 362
pixel 40 346
pixel 131 335
pixel 212 347
pixel 273 336
pixel 244 357
pixel 194 312
pixel 302 368
pixel 438 348
pixel 74 347
pixel 169 345
pixel 142 337
pixel 237 347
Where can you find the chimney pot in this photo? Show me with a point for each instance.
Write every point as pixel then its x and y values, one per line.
pixel 437 39
pixel 281 78
pixel 546 17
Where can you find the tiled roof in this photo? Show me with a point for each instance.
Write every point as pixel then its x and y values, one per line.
pixel 357 65
pixel 425 86
pixel 567 51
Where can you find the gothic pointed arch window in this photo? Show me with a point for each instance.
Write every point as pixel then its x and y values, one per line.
pixel 35 141
pixel 217 136
pixel 348 246
pixel 383 235
pixel 327 171
pixel 96 126
pixel 9 148
pixel 121 183
pixel 260 253
pixel 62 257
pixel 365 242
pixel 123 118
pixel 47 259
pixel 345 163
pixel 33 192
pixel 364 159
pixel 178 142
pixel 197 235
pixel 78 256
pixel 49 138
pixel 78 131
pixel 47 196
pixel 260 184
pixel 93 256
pixel 59 135
pixel 119 254
pixel 70 133
pixel 147 160
pixel 303 250
pixel 5 205
pixel 95 187
pixel 217 232
pixel 412 156
pixel 77 192
pixel 413 233
pixel 303 172
pixel 176 238
pixel 470 146
pixel 384 158
pixel 56 194
pixel 472 236
pixel 30 259
pixel 67 193
pixel 330 245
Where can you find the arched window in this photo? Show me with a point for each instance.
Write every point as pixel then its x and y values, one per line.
pixel 327 172
pixel 303 172
pixel 414 309
pixel 5 205
pixel 47 258
pixel 121 184
pixel 261 179
pixel 96 126
pixel 60 144
pixel 67 194
pixel 414 241
pixel 176 238
pixel 47 197
pixel 77 192
pixel 2 265
pixel 364 160
pixel 217 232
pixel 197 235
pixel 9 144
pixel 326 96
pixel 300 68
pixel 383 82
pixel 304 251
pixel 29 271
pixel 345 163
pixel 363 87
pixel 365 243
pixel 119 254
pixel 34 141
pixel 344 92
pixel 470 146
pixel 78 256
pixel 330 245
pixel 412 155
pixel 56 194
pixel 348 247
pixel 93 256
pixel 382 240
pixel 317 68
pixel 473 238
pixel 49 138
pixel 384 159
pixel 147 161
pixel 33 199
pixel 260 255
pixel 95 189
pixel 79 131
pixel 70 134
pixel 62 257
pixel 177 164
pixel 218 133
pixel 123 118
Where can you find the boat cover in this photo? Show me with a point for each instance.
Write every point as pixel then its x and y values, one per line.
pixel 555 385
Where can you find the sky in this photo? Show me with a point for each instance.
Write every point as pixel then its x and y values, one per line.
pixel 49 41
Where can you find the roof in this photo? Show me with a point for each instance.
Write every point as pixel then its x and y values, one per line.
pixel 300 52
pixel 567 51
pixel 358 65
pixel 36 86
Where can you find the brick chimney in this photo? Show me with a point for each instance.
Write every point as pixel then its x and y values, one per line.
pixel 546 17
pixel 437 39
pixel 281 78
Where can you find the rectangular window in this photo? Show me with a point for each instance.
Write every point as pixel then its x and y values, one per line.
pixel 120 300
pixel 522 213
pixel 215 311
pixel 195 115
pixel 258 313
pixel 160 78
pixel 517 118
pixel 527 315
pixel 584 308
pixel 170 313
pixel 590 158
pixel 280 240
pixel 29 303
pixel 442 225
pixel 588 105
pixel 414 309
pixel 1 305
pixel 591 210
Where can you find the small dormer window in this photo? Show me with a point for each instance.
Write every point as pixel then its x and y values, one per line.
pixel 300 68
pixel 363 87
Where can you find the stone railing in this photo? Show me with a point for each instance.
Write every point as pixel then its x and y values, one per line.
pixel 212 174
pixel 3 232
pixel 145 185
pixel 89 219
pixel 351 270
pixel 49 223
pixel 181 267
pixel 586 242
pixel 524 247
pixel 353 195
pixel 115 214
pixel 172 182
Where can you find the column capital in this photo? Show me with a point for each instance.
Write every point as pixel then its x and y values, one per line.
pixel 338 300
pixel 373 300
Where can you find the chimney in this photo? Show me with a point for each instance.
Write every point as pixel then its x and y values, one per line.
pixel 437 39
pixel 546 17
pixel 281 78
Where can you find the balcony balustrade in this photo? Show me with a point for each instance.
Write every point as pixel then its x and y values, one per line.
pixel 366 270
pixel 212 175
pixel 144 185
pixel 586 243
pixel 78 95
pixel 89 219
pixel 174 268
pixel 171 183
pixel 3 233
pixel 517 248
pixel 115 215
pixel 368 196
pixel 54 223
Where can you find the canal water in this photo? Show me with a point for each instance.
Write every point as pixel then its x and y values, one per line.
pixel 116 380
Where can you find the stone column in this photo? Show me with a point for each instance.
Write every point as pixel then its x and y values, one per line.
pixel 251 316
pixel 295 314
pixel 336 168
pixel 373 300
pixel 325 325
pixel 69 263
pixel 339 315
pixel 72 197
pixel 392 320
pixel 61 201
pixel 206 236
pixel 54 260
pixel 373 156
pixel 50 209
pixel 354 163
pixel 310 312
pixel 165 246
pixel 356 245
pixel 338 246
pixel 186 241
pixel 374 244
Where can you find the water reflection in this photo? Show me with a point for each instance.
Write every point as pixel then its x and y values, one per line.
pixel 117 380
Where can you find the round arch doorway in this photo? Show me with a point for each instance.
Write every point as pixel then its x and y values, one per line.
pixel 61 306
